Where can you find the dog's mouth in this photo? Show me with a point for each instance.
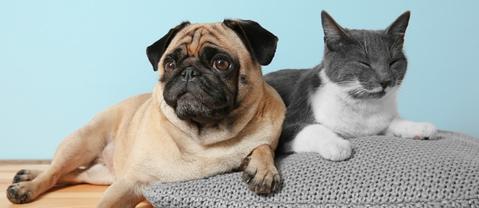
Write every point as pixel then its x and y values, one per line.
pixel 191 108
pixel 193 102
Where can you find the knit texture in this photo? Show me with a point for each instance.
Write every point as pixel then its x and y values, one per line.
pixel 383 172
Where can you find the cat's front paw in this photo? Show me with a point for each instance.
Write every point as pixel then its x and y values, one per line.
pixel 317 138
pixel 412 130
pixel 336 150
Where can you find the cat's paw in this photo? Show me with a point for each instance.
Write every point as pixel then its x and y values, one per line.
pixel 336 150
pixel 412 130
pixel 319 139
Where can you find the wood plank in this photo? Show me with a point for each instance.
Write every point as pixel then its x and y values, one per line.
pixel 77 196
pixel 27 162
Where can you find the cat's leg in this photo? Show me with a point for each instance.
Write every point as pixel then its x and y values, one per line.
pixel 410 129
pixel 320 139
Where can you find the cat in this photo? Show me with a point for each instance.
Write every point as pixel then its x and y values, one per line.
pixel 352 93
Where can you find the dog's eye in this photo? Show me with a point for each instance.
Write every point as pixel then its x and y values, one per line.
pixel 170 65
pixel 221 64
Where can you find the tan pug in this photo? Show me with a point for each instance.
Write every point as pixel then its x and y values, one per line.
pixel 210 113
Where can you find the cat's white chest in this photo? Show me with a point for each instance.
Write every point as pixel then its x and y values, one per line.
pixel 349 117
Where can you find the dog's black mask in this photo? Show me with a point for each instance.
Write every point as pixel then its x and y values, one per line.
pixel 201 89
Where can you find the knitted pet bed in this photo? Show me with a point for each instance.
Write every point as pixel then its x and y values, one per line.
pixel 383 172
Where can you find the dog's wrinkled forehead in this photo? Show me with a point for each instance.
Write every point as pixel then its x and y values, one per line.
pixel 194 37
pixel 247 40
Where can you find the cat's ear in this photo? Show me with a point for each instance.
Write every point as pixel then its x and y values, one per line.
pixel 333 32
pixel 398 27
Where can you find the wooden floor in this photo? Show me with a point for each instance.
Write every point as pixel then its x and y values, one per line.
pixel 78 196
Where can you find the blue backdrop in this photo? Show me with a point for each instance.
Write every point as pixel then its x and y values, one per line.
pixel 63 61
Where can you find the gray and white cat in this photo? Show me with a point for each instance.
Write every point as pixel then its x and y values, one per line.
pixel 352 93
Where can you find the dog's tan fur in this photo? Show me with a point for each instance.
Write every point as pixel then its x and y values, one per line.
pixel 141 140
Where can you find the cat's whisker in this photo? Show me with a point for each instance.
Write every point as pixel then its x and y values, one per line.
pixel 358 91
pixel 345 82
pixel 348 83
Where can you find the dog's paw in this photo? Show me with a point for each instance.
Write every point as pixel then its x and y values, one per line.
pixel 261 178
pixel 413 130
pixel 19 193
pixel 335 149
pixel 25 175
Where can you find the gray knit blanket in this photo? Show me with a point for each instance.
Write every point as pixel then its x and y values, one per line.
pixel 383 172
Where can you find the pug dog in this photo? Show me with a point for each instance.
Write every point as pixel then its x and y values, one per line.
pixel 210 113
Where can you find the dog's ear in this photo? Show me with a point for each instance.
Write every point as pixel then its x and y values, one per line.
pixel 260 42
pixel 156 50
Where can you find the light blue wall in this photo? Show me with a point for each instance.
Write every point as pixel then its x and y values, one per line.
pixel 63 61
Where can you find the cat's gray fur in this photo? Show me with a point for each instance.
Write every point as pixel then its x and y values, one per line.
pixel 360 72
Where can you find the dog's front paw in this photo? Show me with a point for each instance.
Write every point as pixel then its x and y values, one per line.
pixel 19 193
pixel 261 178
pixel 25 175
pixel 335 149
pixel 412 130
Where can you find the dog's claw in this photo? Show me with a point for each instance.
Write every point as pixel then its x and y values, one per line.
pixel 263 179
pixel 18 194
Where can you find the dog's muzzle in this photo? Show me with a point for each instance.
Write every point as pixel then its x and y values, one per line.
pixel 189 73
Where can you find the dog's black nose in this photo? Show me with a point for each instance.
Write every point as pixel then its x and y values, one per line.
pixel 386 83
pixel 189 73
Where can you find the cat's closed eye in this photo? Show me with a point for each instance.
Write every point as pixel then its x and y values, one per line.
pixel 365 64
pixel 393 62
